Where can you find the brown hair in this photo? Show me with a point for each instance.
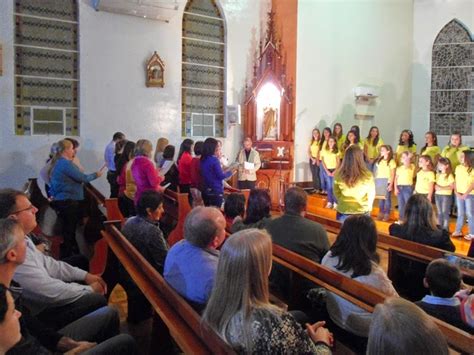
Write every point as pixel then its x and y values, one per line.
pixel 353 167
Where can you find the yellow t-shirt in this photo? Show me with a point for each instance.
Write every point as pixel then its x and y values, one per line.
pixel 340 141
pixel 384 170
pixel 404 148
pixel 314 148
pixel 453 154
pixel 357 199
pixel 405 175
pixel 330 159
pixel 423 181
pixel 463 179
pixel 432 152
pixel 444 180
pixel 373 151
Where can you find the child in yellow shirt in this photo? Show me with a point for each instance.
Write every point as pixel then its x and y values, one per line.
pixel 405 143
pixel 372 145
pixel 464 189
pixel 404 177
pixel 385 169
pixel 425 178
pixel 340 136
pixel 330 162
pixel 431 147
pixel 444 191
pixel 313 152
pixel 323 146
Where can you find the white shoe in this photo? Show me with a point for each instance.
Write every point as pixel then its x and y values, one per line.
pixel 469 237
pixel 334 206
pixel 329 205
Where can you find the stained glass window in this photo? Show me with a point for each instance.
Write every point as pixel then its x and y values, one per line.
pixel 452 81
pixel 203 69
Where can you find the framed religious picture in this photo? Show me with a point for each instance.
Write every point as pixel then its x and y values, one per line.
pixel 155 72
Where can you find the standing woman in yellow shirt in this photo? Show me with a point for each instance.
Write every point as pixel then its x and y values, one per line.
pixel 330 162
pixel 454 149
pixel 425 178
pixel 323 146
pixel 314 158
pixel 372 145
pixel 354 186
pixel 406 143
pixel 431 147
pixel 385 169
pixel 340 136
pixel 464 189
pixel 444 191
pixel 404 177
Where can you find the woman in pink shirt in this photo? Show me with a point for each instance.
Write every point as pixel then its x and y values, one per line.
pixel 144 171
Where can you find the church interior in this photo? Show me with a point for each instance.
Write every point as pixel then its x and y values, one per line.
pixel 236 176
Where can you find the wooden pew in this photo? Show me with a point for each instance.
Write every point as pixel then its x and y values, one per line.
pixel 183 323
pixel 176 206
pixel 364 296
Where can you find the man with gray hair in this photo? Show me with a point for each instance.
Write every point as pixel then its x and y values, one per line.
pixel 191 264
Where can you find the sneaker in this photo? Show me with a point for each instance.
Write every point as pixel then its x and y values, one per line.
pixel 386 218
pixel 456 235
pixel 329 205
pixel 469 237
pixel 334 206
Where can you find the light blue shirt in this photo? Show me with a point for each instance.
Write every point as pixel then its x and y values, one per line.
pixel 109 156
pixel 452 301
pixel 191 270
pixel 66 181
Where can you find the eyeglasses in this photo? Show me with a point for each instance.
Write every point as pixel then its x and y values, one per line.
pixel 30 207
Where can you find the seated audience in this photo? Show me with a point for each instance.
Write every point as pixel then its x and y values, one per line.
pixel 419 225
pixel 196 183
pixel 144 172
pixel 191 264
pixel 55 291
pixel 144 233
pixel 354 254
pixel 100 326
pixel 239 309
pixel 169 170
pixel 400 327
pixel 234 206
pixel 66 181
pixel 127 186
pixel 296 233
pixel 258 211
pixel 443 280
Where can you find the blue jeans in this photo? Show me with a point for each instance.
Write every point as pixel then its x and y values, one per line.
pixel 404 193
pixel 465 209
pixel 322 177
pixel 316 175
pixel 330 188
pixel 443 204
pixel 386 205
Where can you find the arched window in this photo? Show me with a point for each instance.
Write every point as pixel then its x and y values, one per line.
pixel 452 81
pixel 203 70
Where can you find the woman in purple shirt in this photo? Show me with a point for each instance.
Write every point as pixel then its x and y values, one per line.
pixel 212 174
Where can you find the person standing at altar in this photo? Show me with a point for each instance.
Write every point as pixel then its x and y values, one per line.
pixel 249 163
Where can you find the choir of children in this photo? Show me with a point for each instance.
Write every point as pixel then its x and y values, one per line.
pixel 442 176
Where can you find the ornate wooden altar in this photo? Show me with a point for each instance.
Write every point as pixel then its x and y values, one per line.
pixel 269 117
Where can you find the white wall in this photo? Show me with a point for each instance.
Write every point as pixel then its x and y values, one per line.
pixel 341 45
pixel 113 52
pixel 439 13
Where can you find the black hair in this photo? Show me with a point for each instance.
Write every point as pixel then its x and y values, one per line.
pixel 410 138
pixel 435 141
pixel 209 148
pixel 168 152
pixel 323 138
pixel 118 136
pixel 8 201
pixel 444 279
pixel 376 139
pixel 295 200
pixel 356 246
pixel 149 199
pixel 258 206
pixel 185 146
pixel 75 142
pixel 198 147
pixel 234 205
pixel 3 302
pixel 127 154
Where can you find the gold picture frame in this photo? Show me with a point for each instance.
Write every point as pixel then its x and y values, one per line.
pixel 155 71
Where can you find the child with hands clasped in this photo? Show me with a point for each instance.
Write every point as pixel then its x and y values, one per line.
pixel 425 178
pixel 464 189
pixel 385 169
pixel 330 162
pixel 444 191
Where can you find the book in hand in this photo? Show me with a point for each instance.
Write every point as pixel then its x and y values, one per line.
pixel 381 186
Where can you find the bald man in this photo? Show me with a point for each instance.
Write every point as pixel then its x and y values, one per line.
pixel 191 264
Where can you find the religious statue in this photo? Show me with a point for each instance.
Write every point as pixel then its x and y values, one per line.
pixel 155 71
pixel 269 123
